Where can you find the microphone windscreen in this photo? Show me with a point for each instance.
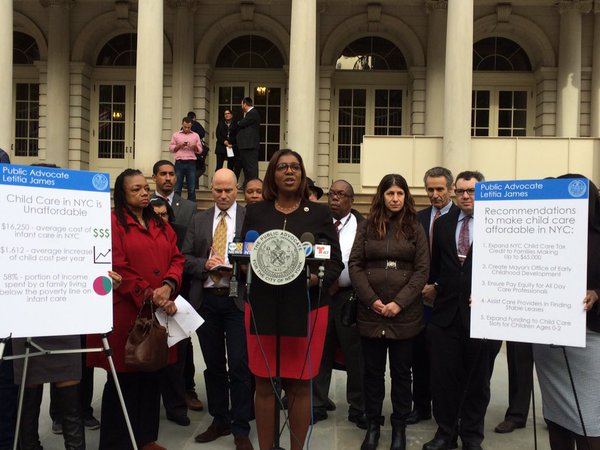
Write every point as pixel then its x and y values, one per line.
pixel 251 236
pixel 307 237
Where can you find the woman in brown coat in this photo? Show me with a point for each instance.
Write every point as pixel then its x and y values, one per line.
pixel 389 265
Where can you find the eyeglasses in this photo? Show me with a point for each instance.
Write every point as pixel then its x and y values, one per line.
pixel 284 167
pixel 162 214
pixel 338 194
pixel 461 192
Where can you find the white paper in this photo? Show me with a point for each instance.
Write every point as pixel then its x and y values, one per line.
pixel 182 324
pixel 230 152
pixel 530 261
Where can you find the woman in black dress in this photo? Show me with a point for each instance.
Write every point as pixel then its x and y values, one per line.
pixel 286 206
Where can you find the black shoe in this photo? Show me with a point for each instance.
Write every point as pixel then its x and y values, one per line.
pixel 360 420
pixel 437 444
pixel 398 436
pixel 318 415
pixel 416 416
pixel 330 406
pixel 69 404
pixel 181 420
pixel 372 437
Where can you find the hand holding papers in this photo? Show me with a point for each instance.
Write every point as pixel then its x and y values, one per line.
pixel 182 324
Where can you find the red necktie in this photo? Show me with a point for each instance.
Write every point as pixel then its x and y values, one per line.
pixel 463 240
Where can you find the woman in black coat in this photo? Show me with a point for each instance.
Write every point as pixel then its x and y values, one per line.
pixel 226 132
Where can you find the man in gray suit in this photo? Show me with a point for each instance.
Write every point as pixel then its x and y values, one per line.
pixel 222 336
pixel 163 174
pixel 248 140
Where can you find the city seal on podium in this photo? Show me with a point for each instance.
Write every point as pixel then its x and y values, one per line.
pixel 277 257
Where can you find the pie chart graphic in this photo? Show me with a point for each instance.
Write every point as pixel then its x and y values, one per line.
pixel 102 285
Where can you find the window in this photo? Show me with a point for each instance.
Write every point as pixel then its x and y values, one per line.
pixel 503 84
pixel 371 53
pixel 250 52
pixel 27 119
pixel 119 51
pixel 25 49
pixel 111 121
pixel 351 124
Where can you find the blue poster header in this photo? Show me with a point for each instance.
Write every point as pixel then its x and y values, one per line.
pixel 563 188
pixel 49 177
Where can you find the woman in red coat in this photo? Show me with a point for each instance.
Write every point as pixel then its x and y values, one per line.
pixel 146 256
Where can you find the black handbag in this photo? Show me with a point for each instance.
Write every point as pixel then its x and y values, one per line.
pixel 146 349
pixel 350 311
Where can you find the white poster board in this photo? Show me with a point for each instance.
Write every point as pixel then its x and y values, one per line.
pixel 530 261
pixel 55 252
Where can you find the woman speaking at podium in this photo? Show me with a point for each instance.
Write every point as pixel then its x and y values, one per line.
pixel 146 256
pixel 286 207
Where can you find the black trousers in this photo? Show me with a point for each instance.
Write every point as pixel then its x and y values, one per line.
pixel 9 393
pixel 172 383
pixel 249 162
pixel 375 353
pixel 221 158
pixel 421 391
pixel 349 341
pixel 141 392
pixel 223 342
pixel 519 356
pixel 461 369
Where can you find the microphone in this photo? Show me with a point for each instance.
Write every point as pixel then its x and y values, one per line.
pixel 322 249
pixel 308 241
pixel 251 237
pixel 235 249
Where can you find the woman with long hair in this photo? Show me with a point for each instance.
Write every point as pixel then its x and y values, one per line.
pixel 146 256
pixel 389 265
pixel 286 206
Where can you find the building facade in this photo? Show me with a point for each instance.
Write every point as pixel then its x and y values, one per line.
pixel 359 87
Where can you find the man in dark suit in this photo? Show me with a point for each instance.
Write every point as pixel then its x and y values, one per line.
pixel 163 174
pixel 439 187
pixel 248 139
pixel 346 220
pixel 461 367
pixel 222 336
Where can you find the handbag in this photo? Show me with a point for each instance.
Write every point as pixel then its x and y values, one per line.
pixel 146 349
pixel 350 311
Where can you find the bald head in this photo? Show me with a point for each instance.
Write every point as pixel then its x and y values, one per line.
pixel 224 188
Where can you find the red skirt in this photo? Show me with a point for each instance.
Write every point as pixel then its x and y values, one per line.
pixel 295 361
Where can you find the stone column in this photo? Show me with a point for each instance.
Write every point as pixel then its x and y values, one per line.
pixel 458 84
pixel 6 75
pixel 302 81
pixel 436 56
pixel 149 84
pixel 595 119
pixel 568 83
pixel 58 78
pixel 183 60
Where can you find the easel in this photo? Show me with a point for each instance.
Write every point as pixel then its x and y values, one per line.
pixel 41 352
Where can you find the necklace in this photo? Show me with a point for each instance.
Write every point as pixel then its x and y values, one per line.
pixel 288 209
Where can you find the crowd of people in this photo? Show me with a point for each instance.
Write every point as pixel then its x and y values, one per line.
pixel 407 273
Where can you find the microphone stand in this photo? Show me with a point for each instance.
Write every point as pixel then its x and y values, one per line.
pixel 277 384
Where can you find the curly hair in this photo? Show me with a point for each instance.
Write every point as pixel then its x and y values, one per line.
pixel 121 207
pixel 380 220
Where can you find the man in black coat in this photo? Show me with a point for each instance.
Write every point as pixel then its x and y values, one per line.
pixel 346 220
pixel 248 140
pixel 439 187
pixel 461 367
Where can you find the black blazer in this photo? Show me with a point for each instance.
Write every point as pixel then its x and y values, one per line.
pixel 454 279
pixel 424 217
pixel 196 249
pixel 248 136
pixel 225 133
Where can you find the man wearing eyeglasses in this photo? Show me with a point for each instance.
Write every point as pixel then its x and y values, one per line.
pixel 461 367
pixel 340 199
